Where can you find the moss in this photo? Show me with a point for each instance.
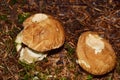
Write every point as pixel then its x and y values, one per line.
pixel 63 78
pixel 23 16
pixel 3 17
pixel 27 67
pixel 12 2
pixel 27 76
pixel 28 71
pixel 69 49
pixel 89 77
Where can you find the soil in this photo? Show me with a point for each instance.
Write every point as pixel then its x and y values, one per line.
pixel 77 16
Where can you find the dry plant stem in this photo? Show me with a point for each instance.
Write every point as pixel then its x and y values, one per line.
pixel 9 70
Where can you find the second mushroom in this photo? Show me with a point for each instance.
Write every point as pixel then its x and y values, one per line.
pixel 95 54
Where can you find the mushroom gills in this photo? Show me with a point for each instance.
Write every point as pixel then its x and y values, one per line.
pixel 95 42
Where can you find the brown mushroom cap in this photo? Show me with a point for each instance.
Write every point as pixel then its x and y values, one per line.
pixel 42 33
pixel 96 63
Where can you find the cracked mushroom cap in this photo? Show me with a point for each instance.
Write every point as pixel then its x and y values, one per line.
pixel 95 54
pixel 42 33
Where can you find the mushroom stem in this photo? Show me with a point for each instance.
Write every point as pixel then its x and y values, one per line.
pixel 29 56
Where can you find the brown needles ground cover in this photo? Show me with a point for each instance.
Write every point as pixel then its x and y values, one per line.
pixel 77 16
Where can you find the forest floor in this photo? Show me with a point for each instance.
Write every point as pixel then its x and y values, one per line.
pixel 77 16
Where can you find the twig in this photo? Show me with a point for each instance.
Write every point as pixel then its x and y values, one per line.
pixel 9 70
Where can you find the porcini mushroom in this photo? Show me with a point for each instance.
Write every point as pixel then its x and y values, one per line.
pixel 41 34
pixel 95 54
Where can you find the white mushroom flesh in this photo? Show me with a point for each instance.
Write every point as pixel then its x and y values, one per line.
pixel 18 41
pixel 95 42
pixel 27 55
pixel 39 17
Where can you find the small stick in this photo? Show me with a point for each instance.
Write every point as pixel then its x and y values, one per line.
pixel 9 70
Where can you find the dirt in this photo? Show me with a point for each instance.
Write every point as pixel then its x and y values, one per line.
pixel 77 16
